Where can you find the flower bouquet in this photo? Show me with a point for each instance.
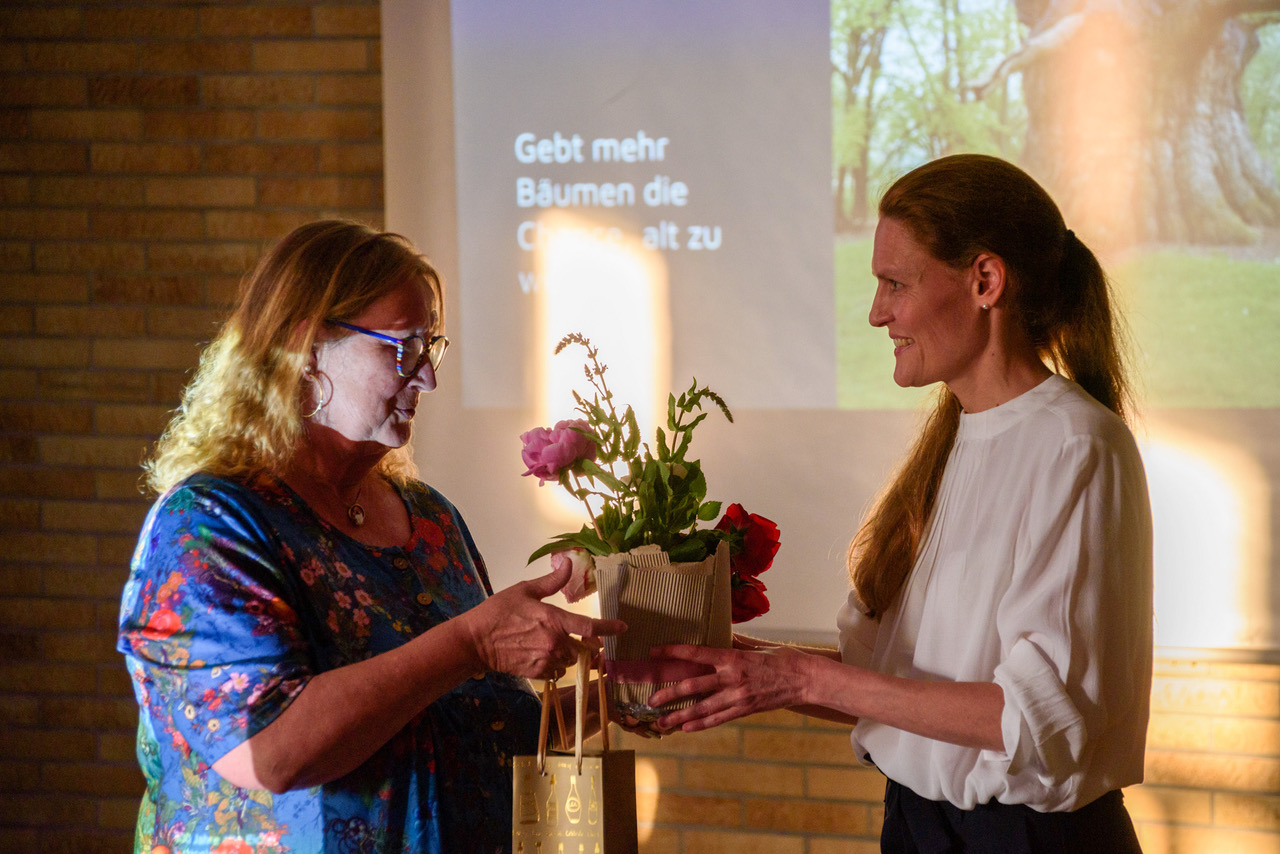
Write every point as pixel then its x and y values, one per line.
pixel 643 550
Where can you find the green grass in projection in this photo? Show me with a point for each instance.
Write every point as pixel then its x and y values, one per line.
pixel 1205 331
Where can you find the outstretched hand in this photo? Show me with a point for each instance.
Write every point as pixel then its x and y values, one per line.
pixel 515 632
pixel 744 682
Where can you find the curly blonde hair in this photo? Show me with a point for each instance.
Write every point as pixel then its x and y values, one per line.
pixel 243 410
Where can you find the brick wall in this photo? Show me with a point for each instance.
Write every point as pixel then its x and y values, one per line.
pixel 148 153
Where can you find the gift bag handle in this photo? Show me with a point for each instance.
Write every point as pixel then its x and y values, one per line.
pixel 549 700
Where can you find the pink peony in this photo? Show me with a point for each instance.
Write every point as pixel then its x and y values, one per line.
pixel 582 572
pixel 549 452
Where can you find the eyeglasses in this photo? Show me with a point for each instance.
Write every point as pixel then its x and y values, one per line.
pixel 411 351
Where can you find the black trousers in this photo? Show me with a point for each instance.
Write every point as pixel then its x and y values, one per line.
pixel 916 825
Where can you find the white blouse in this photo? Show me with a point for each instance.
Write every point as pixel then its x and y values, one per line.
pixel 1034 573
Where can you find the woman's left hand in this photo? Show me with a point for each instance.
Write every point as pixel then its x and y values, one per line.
pixel 744 683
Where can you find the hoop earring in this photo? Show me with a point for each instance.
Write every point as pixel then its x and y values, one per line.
pixel 324 398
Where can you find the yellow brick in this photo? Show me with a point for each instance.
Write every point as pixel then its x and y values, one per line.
pixel 1161 839
pixel 21 383
pixel 43 157
pixel 95 385
pixel 86 191
pixel 45 417
pixel 89 711
pixel 118 813
pixel 235 258
pixel 1180 667
pixel 800 816
pixel 15 190
pixel 199 192
pixel 89 256
pixel 311 55
pixel 248 20
pixel 141 23
pixel 320 124
pixel 353 158
pixel 746 777
pixel 15 257
pixel 17 320
pixel 1153 803
pixel 1212 771
pixel 147 224
pixel 257 90
pixel 19 449
pixel 223 57
pixel 224 290
pixel 721 741
pixel 198 323
pixel 46 614
pixel 46 482
pixel 89 56
pixel 675 808
pixel 92 582
pixel 86 124
pixel 249 159
pixel 43 288
pixel 1249 671
pixel 90 321
pixel 113 483
pixel 119 747
pixel 43 352
pixel 653 773
pixel 1216 696
pixel 81 647
pixel 91 451
pixel 658 840
pixel 254 225
pixel 347 21
pixel 704 842
pixel 93 779
pixel 18 23
pixel 115 550
pixel 1187 732
pixel 852 784
pixel 779 718
pixel 320 192
pixel 188 125
pixel 123 419
pixel 151 290
pixel 32 90
pixel 349 89
pixel 169 386
pixel 145 91
pixel 43 224
pixel 144 157
pixel 19 515
pixel 1245 735
pixel 848 846
pixel 1250 812
pixel 144 353
pixel 818 748
pixel 91 516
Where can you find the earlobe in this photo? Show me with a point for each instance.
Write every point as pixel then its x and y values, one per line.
pixel 988 280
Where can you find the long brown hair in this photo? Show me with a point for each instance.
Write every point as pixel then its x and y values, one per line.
pixel 958 207
pixel 243 410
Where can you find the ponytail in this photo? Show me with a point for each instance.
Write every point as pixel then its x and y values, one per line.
pixel 958 207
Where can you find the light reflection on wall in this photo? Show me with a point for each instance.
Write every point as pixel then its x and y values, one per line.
pixel 605 285
pixel 1211 507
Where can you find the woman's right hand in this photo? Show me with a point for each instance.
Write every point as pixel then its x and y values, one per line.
pixel 515 632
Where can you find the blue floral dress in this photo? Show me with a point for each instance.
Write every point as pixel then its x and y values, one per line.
pixel 238 594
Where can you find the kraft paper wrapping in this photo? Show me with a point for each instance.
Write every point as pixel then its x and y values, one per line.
pixel 661 603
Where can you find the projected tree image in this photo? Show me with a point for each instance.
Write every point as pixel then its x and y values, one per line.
pixel 1132 111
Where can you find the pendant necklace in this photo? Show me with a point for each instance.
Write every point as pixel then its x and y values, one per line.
pixel 354 511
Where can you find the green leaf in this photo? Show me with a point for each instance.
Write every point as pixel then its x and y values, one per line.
pixel 592 469
pixel 662 445
pixel 709 511
pixel 633 433
pixel 692 549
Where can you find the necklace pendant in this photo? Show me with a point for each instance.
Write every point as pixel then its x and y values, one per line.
pixel 356 514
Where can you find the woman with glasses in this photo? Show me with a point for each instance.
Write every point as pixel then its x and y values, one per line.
pixel 995 651
pixel 318 657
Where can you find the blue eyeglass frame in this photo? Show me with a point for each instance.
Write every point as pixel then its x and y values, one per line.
pixel 430 355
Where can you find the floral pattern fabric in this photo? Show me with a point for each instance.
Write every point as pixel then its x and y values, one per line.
pixel 239 594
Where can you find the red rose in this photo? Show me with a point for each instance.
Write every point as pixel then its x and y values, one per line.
pixel 748 599
pixel 753 541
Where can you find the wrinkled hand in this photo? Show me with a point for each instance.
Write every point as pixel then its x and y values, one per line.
pixel 515 632
pixel 745 682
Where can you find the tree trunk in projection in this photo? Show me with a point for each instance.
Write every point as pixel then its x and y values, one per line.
pixel 1135 122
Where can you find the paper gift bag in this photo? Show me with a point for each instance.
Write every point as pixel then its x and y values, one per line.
pixel 578 803
pixel 662 603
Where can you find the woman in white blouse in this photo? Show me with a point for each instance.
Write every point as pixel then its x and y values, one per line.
pixel 995 651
